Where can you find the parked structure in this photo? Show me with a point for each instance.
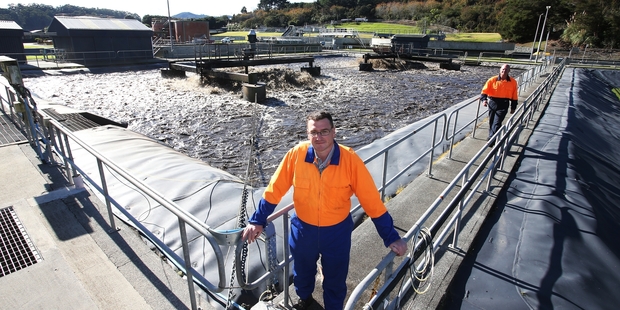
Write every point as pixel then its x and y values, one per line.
pixel 11 40
pixel 94 40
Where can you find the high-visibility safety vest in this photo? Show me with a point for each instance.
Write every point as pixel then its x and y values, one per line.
pixel 495 87
pixel 324 199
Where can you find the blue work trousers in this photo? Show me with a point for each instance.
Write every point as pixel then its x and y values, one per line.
pixel 333 245
pixel 497 113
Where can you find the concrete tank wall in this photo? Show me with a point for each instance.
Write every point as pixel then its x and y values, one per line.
pixel 472 46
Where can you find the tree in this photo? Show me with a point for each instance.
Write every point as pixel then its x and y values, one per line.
pixel 268 5
pixel 518 19
pixel 244 10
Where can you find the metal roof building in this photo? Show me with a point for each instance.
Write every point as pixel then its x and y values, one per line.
pixel 94 40
pixel 11 40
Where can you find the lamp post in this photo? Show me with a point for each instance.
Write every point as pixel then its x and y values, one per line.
pixel 541 32
pixel 170 25
pixel 535 35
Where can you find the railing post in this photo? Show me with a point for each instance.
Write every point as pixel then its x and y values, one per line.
pixel 64 154
pixel 457 224
pixel 70 156
pixel 52 141
pixel 285 275
pixel 188 264
pixel 432 152
pixel 476 119
pixel 106 194
pixel 384 174
pixel 46 134
pixel 456 121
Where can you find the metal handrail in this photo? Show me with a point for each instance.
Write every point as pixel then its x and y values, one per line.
pixel 437 140
pixel 505 139
pixel 183 216
pixel 429 151
pixel 186 218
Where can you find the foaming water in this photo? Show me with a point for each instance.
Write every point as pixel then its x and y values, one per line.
pixel 213 123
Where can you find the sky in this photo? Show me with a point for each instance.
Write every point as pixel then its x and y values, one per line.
pixel 157 7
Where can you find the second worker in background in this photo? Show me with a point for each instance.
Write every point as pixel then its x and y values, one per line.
pixel 498 94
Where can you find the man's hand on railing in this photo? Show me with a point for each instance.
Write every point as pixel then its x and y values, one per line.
pixel 399 247
pixel 251 232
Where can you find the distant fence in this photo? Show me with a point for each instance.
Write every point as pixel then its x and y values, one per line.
pixel 50 57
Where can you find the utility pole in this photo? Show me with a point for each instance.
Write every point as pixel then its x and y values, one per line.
pixel 535 35
pixel 542 32
pixel 170 25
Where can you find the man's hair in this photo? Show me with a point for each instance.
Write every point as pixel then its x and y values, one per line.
pixel 319 115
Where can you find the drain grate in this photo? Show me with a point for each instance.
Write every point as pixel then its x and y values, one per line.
pixel 16 249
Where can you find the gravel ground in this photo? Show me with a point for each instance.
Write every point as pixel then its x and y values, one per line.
pixel 210 121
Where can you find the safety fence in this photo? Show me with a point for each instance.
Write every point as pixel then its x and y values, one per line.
pixel 444 127
pixel 53 58
pixel 472 177
pixel 53 143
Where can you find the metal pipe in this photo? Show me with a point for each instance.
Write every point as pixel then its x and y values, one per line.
pixel 541 32
pixel 106 195
pixel 188 264
pixel 535 35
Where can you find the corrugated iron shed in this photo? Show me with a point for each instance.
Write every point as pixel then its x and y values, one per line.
pixel 9 25
pixel 97 23
pixel 11 40
pixel 96 40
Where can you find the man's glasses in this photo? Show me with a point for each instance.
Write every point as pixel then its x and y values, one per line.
pixel 321 133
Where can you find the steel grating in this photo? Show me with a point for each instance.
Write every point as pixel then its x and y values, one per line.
pixel 9 133
pixel 16 249
pixel 73 121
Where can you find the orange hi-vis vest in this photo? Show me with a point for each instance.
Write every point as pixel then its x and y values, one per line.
pixel 324 199
pixel 501 89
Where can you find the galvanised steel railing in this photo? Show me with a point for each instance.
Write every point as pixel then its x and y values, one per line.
pixel 58 138
pixel 471 177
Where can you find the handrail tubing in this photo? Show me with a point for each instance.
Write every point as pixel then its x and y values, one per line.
pixel 173 257
pixel 204 229
pixel 368 280
pixel 385 152
pixel 188 218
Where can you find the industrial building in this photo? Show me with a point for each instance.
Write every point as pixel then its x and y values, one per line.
pixel 94 40
pixel 182 31
pixel 11 40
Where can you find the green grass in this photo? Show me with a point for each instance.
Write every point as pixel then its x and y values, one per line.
pixel 474 37
pixel 381 27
